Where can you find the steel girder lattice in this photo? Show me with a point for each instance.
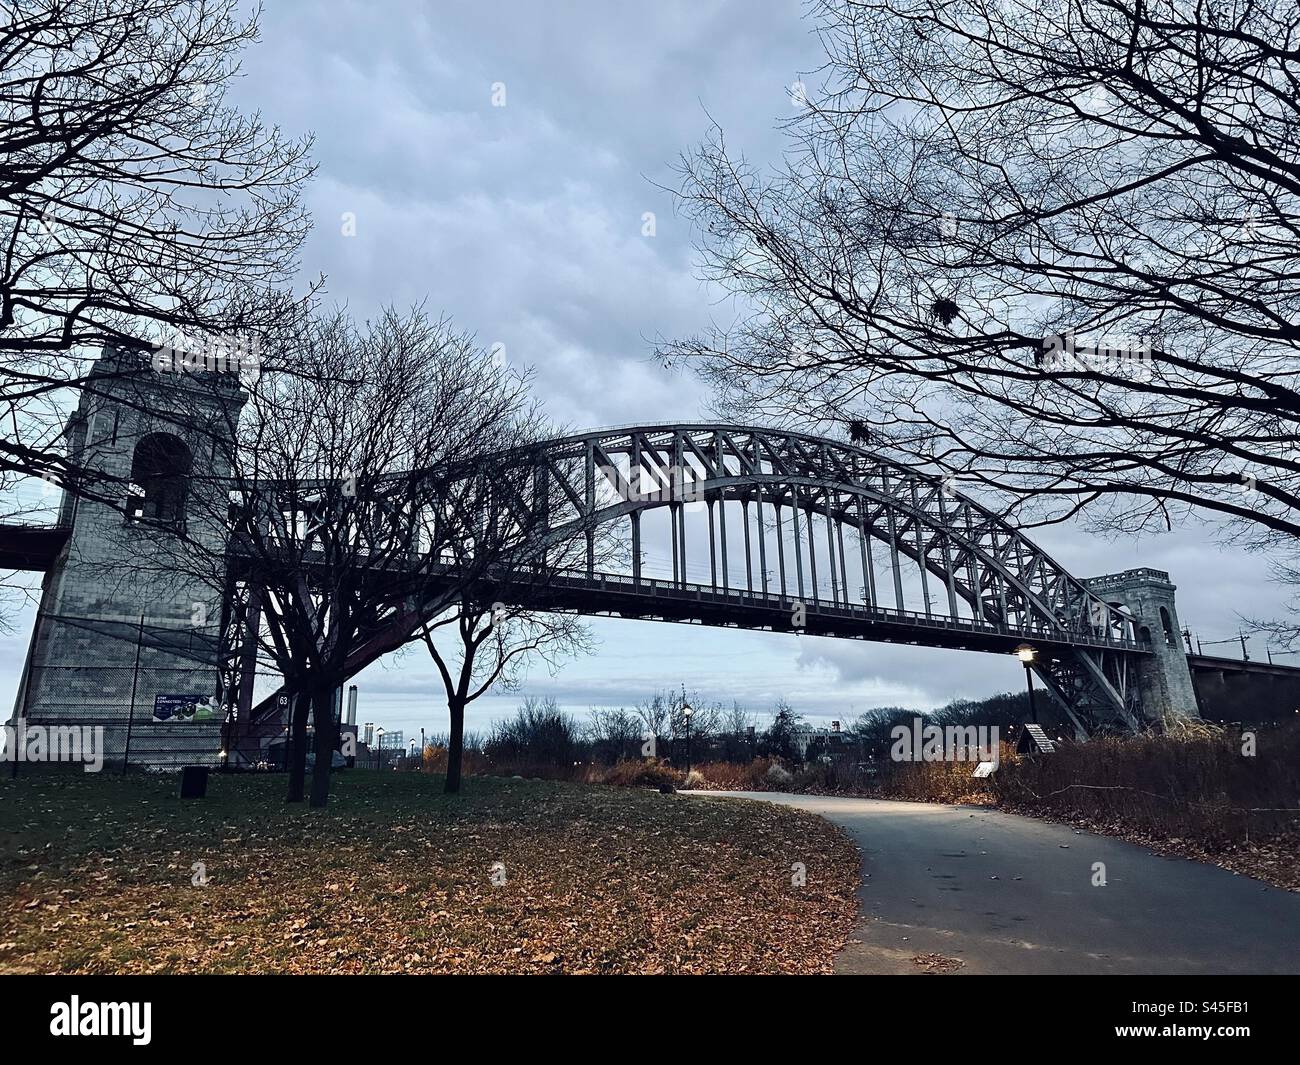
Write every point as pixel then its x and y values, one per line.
pixel 803 502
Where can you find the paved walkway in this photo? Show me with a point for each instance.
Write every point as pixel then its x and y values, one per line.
pixel 1007 894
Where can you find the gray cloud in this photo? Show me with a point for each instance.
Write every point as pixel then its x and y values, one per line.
pixel 524 223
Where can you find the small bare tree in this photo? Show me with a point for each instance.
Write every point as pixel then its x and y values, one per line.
pixel 615 734
pixel 664 718
pixel 493 646
pixel 503 619
pixel 735 725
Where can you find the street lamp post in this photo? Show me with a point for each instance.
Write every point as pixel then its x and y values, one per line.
pixel 686 713
pixel 379 748
pixel 1028 655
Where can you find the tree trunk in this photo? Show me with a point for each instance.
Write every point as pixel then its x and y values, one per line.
pixel 297 750
pixel 325 744
pixel 455 746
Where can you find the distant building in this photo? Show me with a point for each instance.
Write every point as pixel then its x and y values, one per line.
pixel 832 738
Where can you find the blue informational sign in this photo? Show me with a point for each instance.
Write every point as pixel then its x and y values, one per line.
pixel 185 708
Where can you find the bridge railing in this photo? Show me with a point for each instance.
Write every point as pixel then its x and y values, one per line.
pixel 744 597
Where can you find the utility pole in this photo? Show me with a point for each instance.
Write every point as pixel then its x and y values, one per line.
pixel 135 679
pixel 25 692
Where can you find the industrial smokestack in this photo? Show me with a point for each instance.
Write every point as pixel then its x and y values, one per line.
pixel 352 704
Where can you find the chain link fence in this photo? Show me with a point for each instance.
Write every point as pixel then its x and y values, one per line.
pixel 147 689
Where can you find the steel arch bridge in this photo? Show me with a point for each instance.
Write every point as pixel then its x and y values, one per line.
pixel 801 534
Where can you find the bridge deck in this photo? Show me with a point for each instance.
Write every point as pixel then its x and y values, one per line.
pixel 31 547
pixel 649 599
pixel 665 600
pixel 1214 664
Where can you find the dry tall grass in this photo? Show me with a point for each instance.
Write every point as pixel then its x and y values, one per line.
pixel 1194 786
pixel 636 773
pixel 949 782
pixel 1193 782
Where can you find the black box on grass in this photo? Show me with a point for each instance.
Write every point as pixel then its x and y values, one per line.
pixel 194 781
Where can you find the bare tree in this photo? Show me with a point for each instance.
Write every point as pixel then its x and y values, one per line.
pixel 779 737
pixel 735 725
pixel 136 204
pixel 493 646
pixel 655 716
pixel 504 618
pixel 540 733
pixel 1049 249
pixel 614 733
pixel 346 492
pixel 664 719
pixel 737 720
pixel 874 728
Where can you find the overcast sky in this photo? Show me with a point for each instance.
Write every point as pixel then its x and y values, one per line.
pixel 525 223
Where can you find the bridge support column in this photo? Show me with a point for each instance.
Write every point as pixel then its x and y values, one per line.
pixel 1164 678
pixel 126 613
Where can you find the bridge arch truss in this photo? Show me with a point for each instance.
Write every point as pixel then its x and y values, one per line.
pixel 805 534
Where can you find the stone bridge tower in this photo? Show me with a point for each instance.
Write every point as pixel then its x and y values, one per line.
pixel 1164 680
pixel 126 634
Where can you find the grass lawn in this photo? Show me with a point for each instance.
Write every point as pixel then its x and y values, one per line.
pixel 97 876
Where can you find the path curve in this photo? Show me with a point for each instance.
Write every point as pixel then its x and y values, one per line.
pixel 1000 893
